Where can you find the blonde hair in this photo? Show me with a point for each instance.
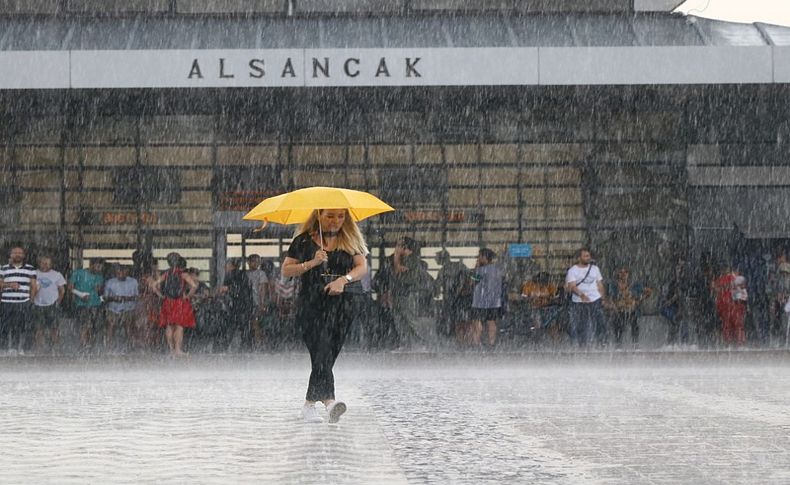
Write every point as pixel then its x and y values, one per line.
pixel 349 237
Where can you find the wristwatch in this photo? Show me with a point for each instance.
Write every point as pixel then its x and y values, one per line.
pixel 349 278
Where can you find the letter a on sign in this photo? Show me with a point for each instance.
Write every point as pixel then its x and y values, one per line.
pixel 288 69
pixel 195 71
pixel 382 70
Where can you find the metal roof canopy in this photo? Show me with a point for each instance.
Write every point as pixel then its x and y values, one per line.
pixel 319 7
pixel 435 31
pixel 464 50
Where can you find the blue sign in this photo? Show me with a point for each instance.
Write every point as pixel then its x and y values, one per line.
pixel 519 250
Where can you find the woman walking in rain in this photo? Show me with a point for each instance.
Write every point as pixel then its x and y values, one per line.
pixel 176 287
pixel 328 253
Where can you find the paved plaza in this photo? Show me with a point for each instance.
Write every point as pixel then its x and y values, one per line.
pixel 413 418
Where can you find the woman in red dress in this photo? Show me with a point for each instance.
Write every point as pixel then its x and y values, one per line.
pixel 176 287
pixel 731 310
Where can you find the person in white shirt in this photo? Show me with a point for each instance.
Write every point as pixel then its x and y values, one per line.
pixel 121 294
pixel 585 284
pixel 51 288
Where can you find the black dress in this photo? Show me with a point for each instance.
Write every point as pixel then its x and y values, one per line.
pixel 324 320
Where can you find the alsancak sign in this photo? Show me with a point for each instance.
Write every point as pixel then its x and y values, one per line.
pixel 489 66
pixel 302 67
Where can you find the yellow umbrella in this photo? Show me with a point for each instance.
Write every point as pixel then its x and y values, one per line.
pixel 297 206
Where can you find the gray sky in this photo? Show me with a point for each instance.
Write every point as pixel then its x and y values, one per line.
pixel 748 11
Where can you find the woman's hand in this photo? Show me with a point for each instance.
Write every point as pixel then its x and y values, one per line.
pixel 336 287
pixel 320 257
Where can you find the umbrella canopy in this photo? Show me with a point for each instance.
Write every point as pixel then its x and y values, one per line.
pixel 297 206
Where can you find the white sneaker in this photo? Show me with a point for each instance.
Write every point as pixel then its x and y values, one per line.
pixel 310 415
pixel 336 410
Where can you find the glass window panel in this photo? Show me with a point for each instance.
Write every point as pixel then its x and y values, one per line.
pixel 533 196
pixel 564 176
pixel 461 154
pixel 196 178
pixel 248 155
pixel 501 213
pixel 38 179
pixel 110 156
pixel 500 176
pixel 178 129
pixel 493 197
pixel 463 176
pixel 428 154
pixel 564 196
pixel 30 157
pixel 385 154
pixel 499 153
pixel 108 129
pixel 178 156
pixel 318 154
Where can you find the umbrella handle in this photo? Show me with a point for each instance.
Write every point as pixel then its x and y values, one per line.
pixel 263 226
pixel 325 264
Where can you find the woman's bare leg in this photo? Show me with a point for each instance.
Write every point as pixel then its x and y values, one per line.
pixel 169 337
pixel 491 327
pixel 54 334
pixel 39 340
pixel 477 332
pixel 178 339
pixel 109 334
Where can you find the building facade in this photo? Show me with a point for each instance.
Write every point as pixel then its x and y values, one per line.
pixel 154 125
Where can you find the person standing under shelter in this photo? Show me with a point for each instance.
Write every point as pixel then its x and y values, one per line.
pixel 624 300
pixel 121 294
pixel 729 289
pixel 259 283
pixel 238 295
pixel 176 287
pixel 51 289
pixel 18 282
pixel 86 285
pixel 487 299
pixel 446 286
pixel 541 295
pixel 585 284
pixel 406 291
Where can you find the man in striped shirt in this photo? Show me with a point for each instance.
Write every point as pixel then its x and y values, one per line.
pixel 18 283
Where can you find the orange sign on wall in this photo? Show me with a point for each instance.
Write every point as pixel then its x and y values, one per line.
pixel 122 218
pixel 243 200
pixel 434 216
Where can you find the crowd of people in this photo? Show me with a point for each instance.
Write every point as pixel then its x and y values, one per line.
pixel 715 307
pixel 140 308
pixel 144 308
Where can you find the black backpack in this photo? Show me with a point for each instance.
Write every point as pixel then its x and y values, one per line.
pixel 173 287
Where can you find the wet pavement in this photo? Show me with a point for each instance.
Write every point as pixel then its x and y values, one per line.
pixel 701 417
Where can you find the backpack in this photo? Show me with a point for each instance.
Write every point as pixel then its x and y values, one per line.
pixel 173 286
